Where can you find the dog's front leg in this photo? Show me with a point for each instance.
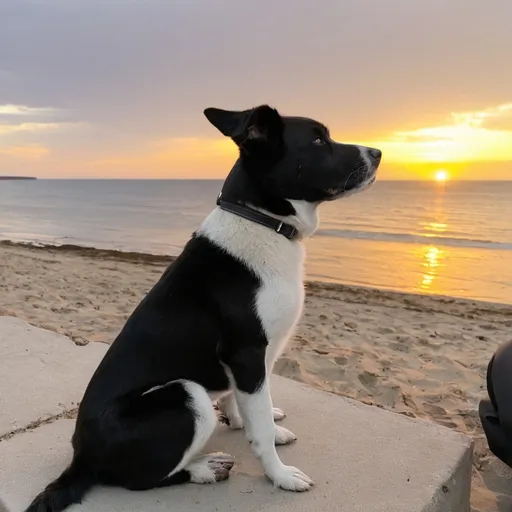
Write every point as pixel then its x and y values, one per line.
pixel 229 411
pixel 252 392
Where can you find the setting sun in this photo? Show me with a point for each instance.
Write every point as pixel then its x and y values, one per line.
pixel 441 175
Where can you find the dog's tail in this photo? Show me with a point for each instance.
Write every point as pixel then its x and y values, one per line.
pixel 66 490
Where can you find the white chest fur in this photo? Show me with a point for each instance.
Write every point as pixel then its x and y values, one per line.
pixel 278 262
pixel 279 305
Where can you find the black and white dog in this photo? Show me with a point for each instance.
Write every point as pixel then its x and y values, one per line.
pixel 213 325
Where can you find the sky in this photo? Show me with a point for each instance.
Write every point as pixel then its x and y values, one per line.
pixel 117 88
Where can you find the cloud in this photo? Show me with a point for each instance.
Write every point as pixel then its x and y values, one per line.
pixel 23 110
pixel 25 121
pixel 487 117
pixel 471 136
pixel 32 152
pixel 152 67
pixel 6 129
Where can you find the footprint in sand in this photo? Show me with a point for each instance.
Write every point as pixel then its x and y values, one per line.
pixel 368 378
pixel 287 367
pixel 341 360
pixel 385 330
pixel 446 423
pixel 489 327
pixel 399 347
pixel 426 358
pixel 436 411
pixel 351 326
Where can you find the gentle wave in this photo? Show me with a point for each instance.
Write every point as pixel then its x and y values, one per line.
pixel 409 238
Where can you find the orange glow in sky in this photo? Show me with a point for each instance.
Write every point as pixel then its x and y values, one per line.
pixel 467 140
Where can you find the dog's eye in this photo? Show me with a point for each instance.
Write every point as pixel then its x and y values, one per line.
pixel 319 141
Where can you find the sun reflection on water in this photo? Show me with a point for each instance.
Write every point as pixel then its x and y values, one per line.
pixel 432 257
pixel 432 260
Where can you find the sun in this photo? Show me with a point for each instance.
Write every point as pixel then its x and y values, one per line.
pixel 441 175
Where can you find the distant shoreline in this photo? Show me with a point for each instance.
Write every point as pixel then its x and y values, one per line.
pixel 221 179
pixel 18 178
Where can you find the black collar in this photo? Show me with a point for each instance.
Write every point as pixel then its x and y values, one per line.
pixel 248 213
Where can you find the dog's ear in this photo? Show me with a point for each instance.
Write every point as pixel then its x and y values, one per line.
pixel 264 126
pixel 229 123
pixel 260 126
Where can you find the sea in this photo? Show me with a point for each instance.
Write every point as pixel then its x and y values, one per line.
pixel 452 238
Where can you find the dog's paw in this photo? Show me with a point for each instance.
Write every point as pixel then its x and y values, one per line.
pixel 291 479
pixel 236 422
pixel 284 436
pixel 211 468
pixel 233 422
pixel 278 414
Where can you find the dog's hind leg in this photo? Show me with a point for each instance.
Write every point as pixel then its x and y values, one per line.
pixel 161 434
pixel 231 416
pixel 212 467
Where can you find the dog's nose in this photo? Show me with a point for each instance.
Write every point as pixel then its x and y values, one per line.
pixel 376 154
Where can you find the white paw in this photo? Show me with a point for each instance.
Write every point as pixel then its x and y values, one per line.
pixel 278 414
pixel 284 436
pixel 291 479
pixel 236 423
pixel 210 468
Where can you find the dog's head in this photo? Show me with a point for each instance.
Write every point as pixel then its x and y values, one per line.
pixel 288 161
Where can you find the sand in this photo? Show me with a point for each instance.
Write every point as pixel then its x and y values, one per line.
pixel 417 355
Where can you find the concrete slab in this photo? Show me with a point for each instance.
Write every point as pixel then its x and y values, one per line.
pixel 363 459
pixel 42 373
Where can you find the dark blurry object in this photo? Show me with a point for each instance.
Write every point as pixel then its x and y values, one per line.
pixel 496 411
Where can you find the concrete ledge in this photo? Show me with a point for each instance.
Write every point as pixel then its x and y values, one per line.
pixel 363 459
pixel 42 374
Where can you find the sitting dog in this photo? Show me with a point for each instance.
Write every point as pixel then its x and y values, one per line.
pixel 213 325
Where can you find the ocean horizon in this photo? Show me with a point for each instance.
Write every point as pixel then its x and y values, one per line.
pixel 450 238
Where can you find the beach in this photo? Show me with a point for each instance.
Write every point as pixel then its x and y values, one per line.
pixel 417 355
pixel 452 239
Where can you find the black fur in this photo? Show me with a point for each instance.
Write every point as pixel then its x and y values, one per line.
pixel 279 160
pixel 197 318
pixel 496 410
pixel 66 490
